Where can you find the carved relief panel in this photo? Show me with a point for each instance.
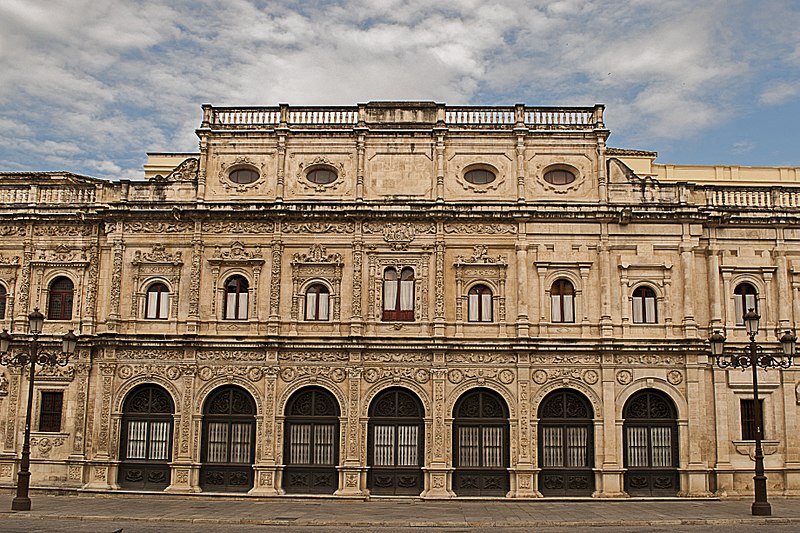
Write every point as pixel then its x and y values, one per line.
pixel 480 269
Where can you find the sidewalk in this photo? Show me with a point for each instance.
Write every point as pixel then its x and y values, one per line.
pixel 399 513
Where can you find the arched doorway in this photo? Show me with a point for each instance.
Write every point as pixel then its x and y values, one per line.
pixel 480 444
pixel 396 443
pixel 650 439
pixel 566 446
pixel 228 449
pixel 146 439
pixel 311 442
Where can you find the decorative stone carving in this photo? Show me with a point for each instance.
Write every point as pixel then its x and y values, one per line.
pixel 45 444
pixel 224 167
pixel 624 377
pixel 157 227
pixel 158 254
pixel 559 359
pixel 231 355
pixel 399 234
pixel 323 356
pixel 540 377
pixel 237 253
pixel 398 357
pixel 420 375
pixel 316 264
pixel 334 374
pixel 55 373
pixel 318 227
pixel 649 359
pixel 239 227
pixel 186 171
pixel 481 357
pixel 480 229
pixel 149 353
pixel 590 377
pixel 3 385
pixel 251 373
pixel 320 161
pixel 675 377
pixel 63 254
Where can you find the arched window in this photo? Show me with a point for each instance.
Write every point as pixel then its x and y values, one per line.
pixel 566 447
pixel 3 298
pixel 228 449
pixel 562 302
pixel 479 304
pixel 157 303
pixel 59 306
pixel 644 305
pixel 317 300
pixel 745 298
pixel 146 440
pixel 398 296
pixel 480 444
pixel 236 298
pixel 311 447
pixel 651 444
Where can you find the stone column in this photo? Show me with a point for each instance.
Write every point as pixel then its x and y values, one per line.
pixel 524 469
pixel 273 326
pixel 699 422
pixel 522 284
pixel 193 319
pixel 520 131
pixel 612 466
pixel 75 461
pixel 282 130
pixel 103 473
pixel 687 266
pixel 714 281
pixel 606 325
pixel 353 474
pixel 266 472
pixel 784 291
pixel 438 313
pixel 438 475
pixel 185 473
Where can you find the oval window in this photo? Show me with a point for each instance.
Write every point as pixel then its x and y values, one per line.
pixel 559 177
pixel 243 176
pixel 479 176
pixel 321 176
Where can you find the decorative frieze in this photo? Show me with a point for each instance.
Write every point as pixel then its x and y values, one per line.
pixel 291 373
pixel 157 227
pixel 263 228
pixel 398 357
pixel 231 355
pixel 321 356
pixel 149 353
pixel 251 373
pixel 480 229
pixel 318 227
pixel 420 375
pixel 481 357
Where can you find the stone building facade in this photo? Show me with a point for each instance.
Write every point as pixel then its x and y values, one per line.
pixel 402 298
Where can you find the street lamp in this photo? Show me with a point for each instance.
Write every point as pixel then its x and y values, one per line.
pixel 69 341
pixel 756 360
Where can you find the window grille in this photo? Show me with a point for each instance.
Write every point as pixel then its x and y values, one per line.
pixel 50 411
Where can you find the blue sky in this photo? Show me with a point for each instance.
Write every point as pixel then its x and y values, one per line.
pixel 90 87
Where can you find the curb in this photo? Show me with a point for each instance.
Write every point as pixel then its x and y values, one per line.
pixel 419 523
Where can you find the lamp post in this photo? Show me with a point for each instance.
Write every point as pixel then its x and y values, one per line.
pixel 756 360
pixel 21 501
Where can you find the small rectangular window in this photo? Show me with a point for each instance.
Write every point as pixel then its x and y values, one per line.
pixel 50 411
pixel 748 412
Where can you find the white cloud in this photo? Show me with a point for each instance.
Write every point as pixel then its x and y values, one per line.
pixel 94 85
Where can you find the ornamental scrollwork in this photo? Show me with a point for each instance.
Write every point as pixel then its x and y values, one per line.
pixel 335 374
pixel 251 373
pixel 237 252
pixel 158 254
pixel 230 355
pixel 157 354
pixel 480 229
pixel 323 356
pixel 318 227
pixel 457 375
pixel 63 254
pixel 398 357
pixel 317 254
pixel 239 227
pixel 481 358
pixel 420 375
pixel 480 255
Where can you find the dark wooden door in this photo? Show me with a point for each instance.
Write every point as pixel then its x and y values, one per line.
pixel 566 446
pixel 311 449
pixel 146 443
pixel 650 439
pixel 480 444
pixel 396 444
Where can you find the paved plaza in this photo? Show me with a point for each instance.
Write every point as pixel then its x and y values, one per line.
pixel 206 512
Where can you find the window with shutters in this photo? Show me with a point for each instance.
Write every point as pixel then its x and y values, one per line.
pixel 398 294
pixel 644 305
pixel 50 411
pixel 479 304
pixel 317 302
pixel 236 298
pixel 156 305
pixel 562 302
pixel 748 417
pixel 59 303
pixel 745 297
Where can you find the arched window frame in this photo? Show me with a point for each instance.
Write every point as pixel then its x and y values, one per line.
pixel 644 305
pixel 236 302
pixel 480 303
pixel 157 301
pixel 562 301
pixel 60 300
pixel 398 294
pixel 317 302
pixel 745 297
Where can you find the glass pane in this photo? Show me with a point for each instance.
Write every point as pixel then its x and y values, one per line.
pixel 311 305
pixel 555 308
pixel 552 446
pixel 324 444
pixel 472 307
pixel 407 445
pixel 159 440
pixel 492 447
pixel 230 306
pixel 240 442
pixel 569 308
pixel 637 447
pixel 638 317
pixel 217 442
pixel 662 446
pixel 468 446
pixel 384 445
pixel 389 295
pixel 650 310
pixel 406 295
pixel 152 304
pixel 137 439
pixel 300 444
pixel 486 307
pixel 242 311
pixel 323 306
pixel 576 446
pixel 163 307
